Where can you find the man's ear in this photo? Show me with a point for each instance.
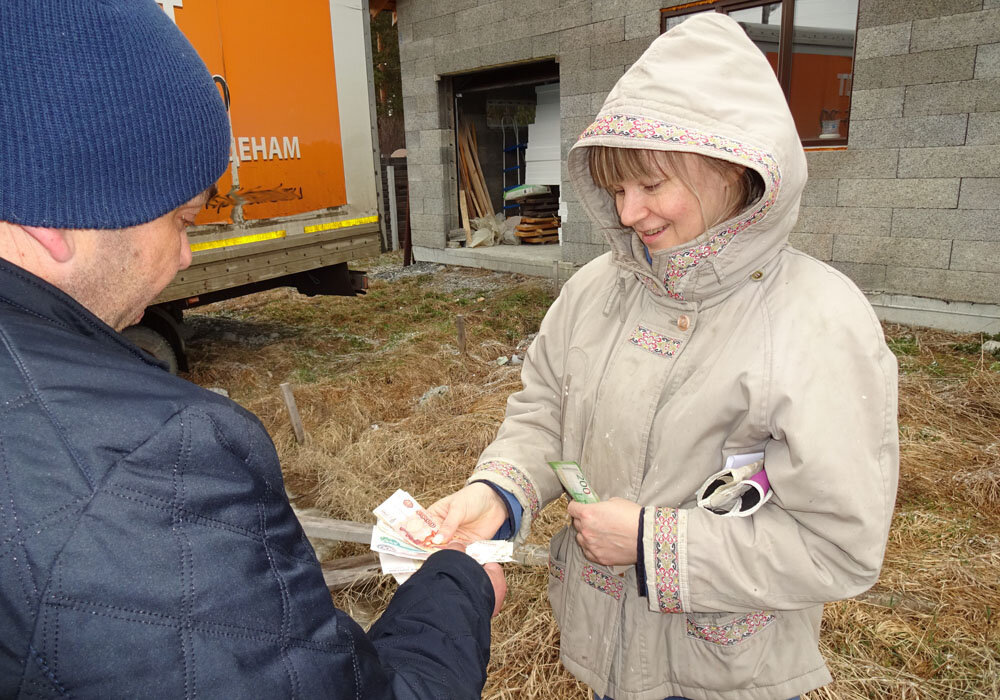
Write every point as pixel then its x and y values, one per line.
pixel 57 242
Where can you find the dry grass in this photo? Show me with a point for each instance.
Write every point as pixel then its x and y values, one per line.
pixel 360 367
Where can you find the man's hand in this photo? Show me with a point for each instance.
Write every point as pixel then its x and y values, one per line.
pixel 494 571
pixel 474 513
pixel 499 581
pixel 608 531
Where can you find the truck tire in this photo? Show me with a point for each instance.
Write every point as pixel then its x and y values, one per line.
pixel 154 343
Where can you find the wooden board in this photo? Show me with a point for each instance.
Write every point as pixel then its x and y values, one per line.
pixel 540 239
pixel 463 210
pixel 472 173
pixel 343 573
pixel 321 528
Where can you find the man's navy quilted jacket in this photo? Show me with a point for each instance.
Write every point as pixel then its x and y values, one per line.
pixel 147 548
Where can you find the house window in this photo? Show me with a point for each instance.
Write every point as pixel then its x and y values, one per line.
pixel 810 45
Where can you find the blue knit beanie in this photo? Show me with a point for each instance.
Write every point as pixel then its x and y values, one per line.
pixel 108 117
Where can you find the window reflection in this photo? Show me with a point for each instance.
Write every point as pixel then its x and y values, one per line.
pixel 763 26
pixel 822 67
pixel 672 21
pixel 813 56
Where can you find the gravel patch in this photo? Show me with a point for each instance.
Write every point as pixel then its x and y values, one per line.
pixel 448 278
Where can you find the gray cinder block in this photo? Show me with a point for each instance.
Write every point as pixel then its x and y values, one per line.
pixel 967 29
pixel 915 252
pixel 818 245
pixel 912 69
pixel 916 193
pixel 877 163
pixel 868 277
pixel 873 13
pixel 954 285
pixel 957 224
pixel 860 221
pixel 887 40
pixel 979 193
pixel 978 256
pixel 879 103
pixel 958 161
pixel 909 132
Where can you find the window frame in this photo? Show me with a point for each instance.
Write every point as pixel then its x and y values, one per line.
pixel 787 29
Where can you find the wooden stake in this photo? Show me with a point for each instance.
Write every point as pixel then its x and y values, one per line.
pixel 460 325
pixel 293 412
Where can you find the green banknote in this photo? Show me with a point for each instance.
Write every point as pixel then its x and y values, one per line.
pixel 574 481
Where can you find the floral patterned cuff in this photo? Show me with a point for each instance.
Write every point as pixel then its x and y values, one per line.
pixel 662 559
pixel 516 477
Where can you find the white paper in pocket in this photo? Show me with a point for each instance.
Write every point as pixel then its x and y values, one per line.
pixel 738 490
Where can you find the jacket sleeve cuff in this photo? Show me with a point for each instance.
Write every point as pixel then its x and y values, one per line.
pixel 513 480
pixel 514 512
pixel 664 558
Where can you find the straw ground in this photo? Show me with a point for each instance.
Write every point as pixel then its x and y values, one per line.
pixel 360 367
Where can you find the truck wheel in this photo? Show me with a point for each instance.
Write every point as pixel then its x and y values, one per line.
pixel 154 343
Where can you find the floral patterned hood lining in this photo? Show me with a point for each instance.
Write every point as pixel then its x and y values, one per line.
pixel 734 111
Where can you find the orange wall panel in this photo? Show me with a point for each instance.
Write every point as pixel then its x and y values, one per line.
pixel 277 60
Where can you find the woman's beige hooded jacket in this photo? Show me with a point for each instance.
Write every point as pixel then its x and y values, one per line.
pixel 651 375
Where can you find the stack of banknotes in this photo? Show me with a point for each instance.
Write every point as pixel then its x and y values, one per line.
pixel 405 535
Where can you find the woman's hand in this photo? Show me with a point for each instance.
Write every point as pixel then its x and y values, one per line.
pixel 608 531
pixel 474 513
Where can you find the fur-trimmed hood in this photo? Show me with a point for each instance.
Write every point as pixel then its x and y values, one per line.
pixel 703 87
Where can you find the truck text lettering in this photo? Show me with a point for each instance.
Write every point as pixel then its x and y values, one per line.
pixel 246 148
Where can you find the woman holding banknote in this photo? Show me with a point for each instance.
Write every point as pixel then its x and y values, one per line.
pixel 730 399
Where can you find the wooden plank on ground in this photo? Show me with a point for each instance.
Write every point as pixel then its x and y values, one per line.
pixel 532 555
pixel 321 528
pixel 331 529
pixel 342 573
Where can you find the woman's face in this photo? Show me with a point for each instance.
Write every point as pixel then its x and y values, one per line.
pixel 664 212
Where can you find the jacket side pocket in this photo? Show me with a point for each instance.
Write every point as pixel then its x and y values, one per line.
pixel 727 629
pixel 558 574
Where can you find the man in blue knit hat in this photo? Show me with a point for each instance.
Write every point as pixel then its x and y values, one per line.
pixel 147 548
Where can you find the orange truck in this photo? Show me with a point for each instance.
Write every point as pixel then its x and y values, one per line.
pixel 302 195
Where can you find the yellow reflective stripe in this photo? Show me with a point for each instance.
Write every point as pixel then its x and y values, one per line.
pixel 239 240
pixel 341 224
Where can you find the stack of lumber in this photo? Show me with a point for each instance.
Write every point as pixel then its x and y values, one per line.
pixel 538 230
pixel 541 205
pixel 539 218
pixel 474 199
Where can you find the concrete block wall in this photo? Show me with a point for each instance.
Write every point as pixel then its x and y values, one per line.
pixel 910 209
pixel 593 41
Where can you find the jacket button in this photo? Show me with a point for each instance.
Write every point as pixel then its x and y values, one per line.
pixel 683 322
pixel 757 275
